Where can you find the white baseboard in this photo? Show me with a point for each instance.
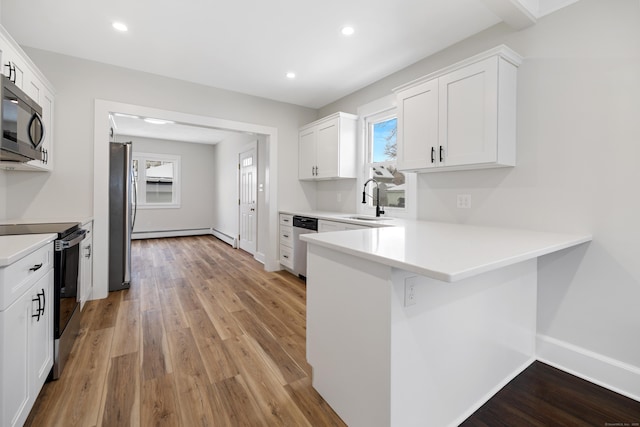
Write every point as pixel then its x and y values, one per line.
pixel 170 233
pixel 260 257
pixel 604 371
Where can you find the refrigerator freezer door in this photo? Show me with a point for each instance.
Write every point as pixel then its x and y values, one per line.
pixel 119 216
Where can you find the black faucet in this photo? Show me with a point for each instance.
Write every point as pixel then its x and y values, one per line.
pixel 379 209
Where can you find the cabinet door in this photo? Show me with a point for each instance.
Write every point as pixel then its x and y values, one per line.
pixel 15 322
pixel 12 66
pixel 469 114
pixel 418 127
pixel 41 333
pixel 307 153
pixel 328 149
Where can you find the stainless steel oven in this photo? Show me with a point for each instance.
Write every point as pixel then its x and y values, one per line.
pixel 66 309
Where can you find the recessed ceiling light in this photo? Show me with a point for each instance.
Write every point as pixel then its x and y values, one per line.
pixel 119 26
pixel 347 31
pixel 291 75
pixel 157 121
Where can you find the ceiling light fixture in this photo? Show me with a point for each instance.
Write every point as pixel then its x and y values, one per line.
pixel 157 121
pixel 347 31
pixel 291 75
pixel 120 26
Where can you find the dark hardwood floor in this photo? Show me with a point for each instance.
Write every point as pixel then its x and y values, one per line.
pixel 545 396
pixel 206 337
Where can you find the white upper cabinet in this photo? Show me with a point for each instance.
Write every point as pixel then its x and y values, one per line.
pixel 327 148
pixel 462 117
pixel 17 66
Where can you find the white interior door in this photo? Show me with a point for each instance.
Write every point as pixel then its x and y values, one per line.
pixel 248 198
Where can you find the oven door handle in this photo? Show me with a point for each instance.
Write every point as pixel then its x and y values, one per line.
pixel 70 241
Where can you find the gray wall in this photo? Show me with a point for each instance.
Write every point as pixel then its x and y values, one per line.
pixel 578 151
pixel 196 180
pixel 3 195
pixel 68 190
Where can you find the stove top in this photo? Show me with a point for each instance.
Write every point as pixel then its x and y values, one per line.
pixel 62 228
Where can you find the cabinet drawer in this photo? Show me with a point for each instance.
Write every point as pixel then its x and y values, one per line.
pixel 286 235
pixel 286 219
pixel 286 256
pixel 16 278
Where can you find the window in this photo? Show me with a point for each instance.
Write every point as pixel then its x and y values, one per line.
pixel 381 134
pixel 157 180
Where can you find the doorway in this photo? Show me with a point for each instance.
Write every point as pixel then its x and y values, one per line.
pixel 248 183
pixel 266 209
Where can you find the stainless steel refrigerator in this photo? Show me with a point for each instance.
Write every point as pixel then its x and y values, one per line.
pixel 122 212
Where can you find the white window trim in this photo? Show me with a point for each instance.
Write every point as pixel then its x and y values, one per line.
pixel 410 211
pixel 177 181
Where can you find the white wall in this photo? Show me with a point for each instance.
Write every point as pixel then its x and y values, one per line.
pixel 68 191
pixel 196 179
pixel 225 183
pixel 578 152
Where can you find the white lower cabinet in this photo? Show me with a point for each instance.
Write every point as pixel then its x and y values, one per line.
pixel 286 240
pixel 26 350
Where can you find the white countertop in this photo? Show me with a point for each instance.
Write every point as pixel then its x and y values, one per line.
pixel 12 248
pixel 346 217
pixel 445 251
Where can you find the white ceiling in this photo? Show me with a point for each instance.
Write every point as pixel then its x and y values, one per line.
pixel 249 45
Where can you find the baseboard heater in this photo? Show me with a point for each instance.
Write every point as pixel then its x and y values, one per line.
pixel 225 237
pixel 170 233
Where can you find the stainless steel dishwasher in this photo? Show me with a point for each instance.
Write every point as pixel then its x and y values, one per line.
pixel 302 225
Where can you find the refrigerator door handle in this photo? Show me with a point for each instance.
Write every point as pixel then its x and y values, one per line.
pixel 127 197
pixel 135 198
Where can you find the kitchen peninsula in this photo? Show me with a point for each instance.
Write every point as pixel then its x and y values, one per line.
pixel 420 324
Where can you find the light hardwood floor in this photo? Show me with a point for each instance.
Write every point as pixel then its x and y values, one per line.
pixel 204 337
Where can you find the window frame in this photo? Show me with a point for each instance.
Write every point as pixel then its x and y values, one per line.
pixel 367 115
pixel 141 201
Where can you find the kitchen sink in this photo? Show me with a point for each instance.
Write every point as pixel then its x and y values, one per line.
pixel 368 218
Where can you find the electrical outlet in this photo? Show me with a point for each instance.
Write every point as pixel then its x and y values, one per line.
pixel 464 201
pixel 409 291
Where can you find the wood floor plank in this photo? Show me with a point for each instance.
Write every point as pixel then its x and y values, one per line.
pixel 223 320
pixel 317 411
pixel 274 402
pixel 286 366
pixel 219 363
pixel 122 401
pixel 191 379
pixel 82 403
pixel 127 329
pixel 159 406
pixel 103 313
pixel 234 404
pixel 149 298
pixel 156 361
pixel 172 312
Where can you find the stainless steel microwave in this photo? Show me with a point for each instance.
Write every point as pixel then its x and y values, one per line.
pixel 22 126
